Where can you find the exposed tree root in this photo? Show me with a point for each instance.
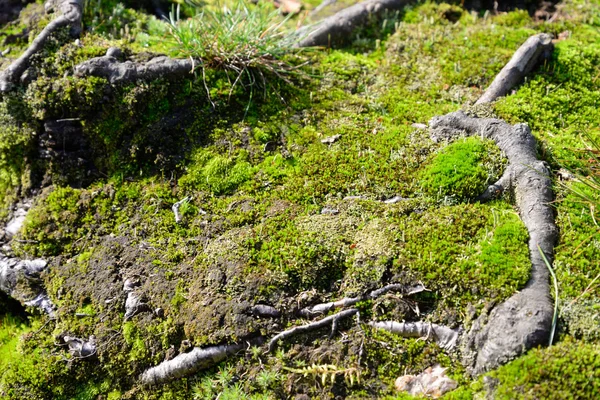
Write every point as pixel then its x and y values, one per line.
pixel 116 71
pixel 445 337
pixel 70 15
pixel 350 301
pixel 339 26
pixel 535 49
pixel 524 320
pixel 188 363
pixel 331 320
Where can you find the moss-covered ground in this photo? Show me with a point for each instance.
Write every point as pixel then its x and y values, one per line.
pixel 276 212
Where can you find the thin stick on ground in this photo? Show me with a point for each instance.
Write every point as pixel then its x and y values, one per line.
pixel 350 301
pixel 311 327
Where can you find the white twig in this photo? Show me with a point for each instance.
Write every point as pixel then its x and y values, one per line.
pixel 311 326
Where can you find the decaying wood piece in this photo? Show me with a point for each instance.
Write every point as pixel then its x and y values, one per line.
pixel 70 15
pixel 524 320
pixel 331 320
pixel 535 49
pixel 188 363
pixel 350 301
pixel 445 337
pixel 339 26
pixel 116 71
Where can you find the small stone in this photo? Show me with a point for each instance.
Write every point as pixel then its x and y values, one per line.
pixel 114 52
pixel 432 383
pixel 331 139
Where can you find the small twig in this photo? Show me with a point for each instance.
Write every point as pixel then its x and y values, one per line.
pixel 310 327
pixel 322 308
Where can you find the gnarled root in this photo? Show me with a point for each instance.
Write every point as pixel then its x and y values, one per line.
pixel 116 71
pixel 339 26
pixel 70 15
pixel 445 337
pixel 524 320
pixel 536 48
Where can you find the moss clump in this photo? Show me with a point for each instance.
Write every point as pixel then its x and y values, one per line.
pixel 215 173
pixel 567 370
pixel 462 170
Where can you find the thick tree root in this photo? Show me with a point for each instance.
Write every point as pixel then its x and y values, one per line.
pixel 445 337
pixel 117 72
pixel 70 15
pixel 524 320
pixel 331 320
pixel 535 49
pixel 350 301
pixel 188 363
pixel 339 26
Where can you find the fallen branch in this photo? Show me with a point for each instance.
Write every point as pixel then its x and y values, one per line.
pixel 350 301
pixel 535 49
pixel 339 26
pixel 332 319
pixel 117 72
pixel 445 337
pixel 70 15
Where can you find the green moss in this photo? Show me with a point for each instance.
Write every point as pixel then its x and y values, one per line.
pixel 215 173
pixel 568 370
pixel 462 170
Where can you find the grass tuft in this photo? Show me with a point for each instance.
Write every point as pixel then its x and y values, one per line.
pixel 249 43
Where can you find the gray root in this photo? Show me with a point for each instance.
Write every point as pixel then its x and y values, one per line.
pixel 189 363
pixel 70 15
pixel 339 26
pixel 350 301
pixel 117 72
pixel 524 320
pixel 445 337
pixel 331 320
pixel 535 49
pixel 20 279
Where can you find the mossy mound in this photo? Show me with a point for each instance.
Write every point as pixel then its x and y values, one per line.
pixel 281 211
pixel 462 170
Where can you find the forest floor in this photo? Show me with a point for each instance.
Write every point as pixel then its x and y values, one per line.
pixel 302 186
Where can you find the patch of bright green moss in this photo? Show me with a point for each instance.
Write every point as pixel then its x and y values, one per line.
pixel 567 370
pixel 463 169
